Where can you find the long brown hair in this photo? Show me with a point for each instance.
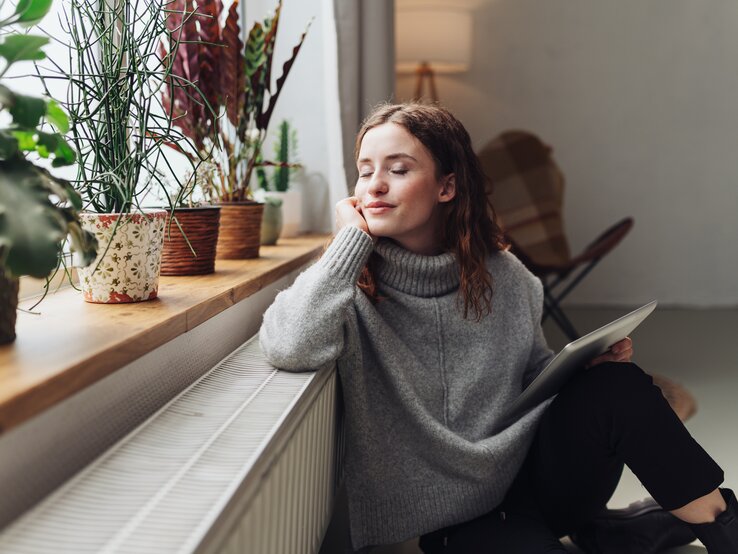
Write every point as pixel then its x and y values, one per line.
pixel 469 230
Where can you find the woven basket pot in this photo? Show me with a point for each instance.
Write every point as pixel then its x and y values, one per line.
pixel 128 257
pixel 240 230
pixel 8 306
pixel 200 226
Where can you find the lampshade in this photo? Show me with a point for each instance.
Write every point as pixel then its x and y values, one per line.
pixel 439 36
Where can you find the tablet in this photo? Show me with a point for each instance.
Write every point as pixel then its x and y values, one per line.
pixel 571 359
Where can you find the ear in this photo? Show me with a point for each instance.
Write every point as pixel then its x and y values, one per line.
pixel 447 191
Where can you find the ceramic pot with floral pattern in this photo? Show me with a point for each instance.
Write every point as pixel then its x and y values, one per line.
pixel 128 257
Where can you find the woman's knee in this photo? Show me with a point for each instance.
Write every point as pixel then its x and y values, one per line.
pixel 607 385
pixel 613 377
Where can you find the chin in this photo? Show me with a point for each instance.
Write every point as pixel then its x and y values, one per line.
pixel 379 230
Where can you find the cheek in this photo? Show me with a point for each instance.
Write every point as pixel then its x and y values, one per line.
pixel 360 188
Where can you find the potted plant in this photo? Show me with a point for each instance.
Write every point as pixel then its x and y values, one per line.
pixel 191 231
pixel 235 83
pixel 119 127
pixel 271 221
pixel 37 210
pixel 277 184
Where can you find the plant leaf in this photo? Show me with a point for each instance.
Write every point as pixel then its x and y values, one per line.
pixel 26 141
pixel 83 243
pixel 177 103
pixel 55 144
pixel 210 51
pixel 30 225
pixel 32 11
pixel 269 40
pixel 233 82
pixel 45 144
pixel 190 50
pixel 23 47
pixel 256 61
pixel 8 145
pixel 56 116
pixel 175 9
pixel 263 122
pixel 27 111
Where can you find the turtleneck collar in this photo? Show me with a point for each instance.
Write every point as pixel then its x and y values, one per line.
pixel 413 273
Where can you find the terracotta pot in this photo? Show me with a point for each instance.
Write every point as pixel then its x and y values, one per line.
pixel 194 252
pixel 128 257
pixel 8 307
pixel 240 230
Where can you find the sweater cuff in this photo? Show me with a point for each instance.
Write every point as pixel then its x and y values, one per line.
pixel 347 255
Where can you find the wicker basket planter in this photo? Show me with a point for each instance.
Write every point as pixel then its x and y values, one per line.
pixel 8 307
pixel 240 230
pixel 128 257
pixel 200 226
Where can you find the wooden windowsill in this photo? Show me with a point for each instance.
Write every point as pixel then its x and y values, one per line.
pixel 73 344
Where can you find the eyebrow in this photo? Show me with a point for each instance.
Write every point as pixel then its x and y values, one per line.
pixel 398 155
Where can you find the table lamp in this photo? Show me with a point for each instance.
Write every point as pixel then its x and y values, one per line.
pixel 432 39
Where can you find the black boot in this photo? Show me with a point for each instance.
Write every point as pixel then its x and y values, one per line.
pixel 641 528
pixel 721 536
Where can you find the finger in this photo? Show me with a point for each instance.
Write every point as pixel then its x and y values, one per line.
pixel 625 344
pixel 609 356
pixel 618 346
pixel 626 355
pixel 622 356
pixel 347 202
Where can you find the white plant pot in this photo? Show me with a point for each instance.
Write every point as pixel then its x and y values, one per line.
pixel 128 257
pixel 291 212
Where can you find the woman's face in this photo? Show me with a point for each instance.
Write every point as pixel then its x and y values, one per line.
pixel 398 192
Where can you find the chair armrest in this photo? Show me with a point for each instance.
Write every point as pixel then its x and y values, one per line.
pixel 605 242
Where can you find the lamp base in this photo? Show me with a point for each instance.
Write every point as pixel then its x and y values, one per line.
pixel 425 72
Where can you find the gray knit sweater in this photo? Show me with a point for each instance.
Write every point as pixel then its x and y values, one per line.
pixel 422 385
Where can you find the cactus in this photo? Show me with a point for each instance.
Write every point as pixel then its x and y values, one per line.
pixel 285 148
pixel 282 151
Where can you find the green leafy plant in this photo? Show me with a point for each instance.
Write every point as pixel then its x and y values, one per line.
pixel 227 117
pixel 37 210
pixel 118 124
pixel 285 148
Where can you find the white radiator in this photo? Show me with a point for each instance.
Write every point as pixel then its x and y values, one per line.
pixel 242 461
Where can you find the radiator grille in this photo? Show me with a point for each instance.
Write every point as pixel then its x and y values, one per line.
pixel 241 460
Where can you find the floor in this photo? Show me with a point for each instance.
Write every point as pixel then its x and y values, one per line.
pixel 697 348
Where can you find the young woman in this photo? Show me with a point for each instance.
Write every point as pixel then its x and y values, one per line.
pixel 435 328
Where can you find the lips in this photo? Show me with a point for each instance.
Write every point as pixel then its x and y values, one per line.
pixel 378 208
pixel 377 204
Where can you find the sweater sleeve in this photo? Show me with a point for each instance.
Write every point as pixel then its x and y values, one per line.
pixel 304 328
pixel 540 353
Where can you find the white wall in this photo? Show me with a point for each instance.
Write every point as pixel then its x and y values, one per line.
pixel 639 101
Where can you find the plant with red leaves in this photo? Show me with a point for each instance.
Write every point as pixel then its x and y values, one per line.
pixel 219 89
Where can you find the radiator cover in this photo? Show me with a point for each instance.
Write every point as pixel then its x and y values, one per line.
pixel 242 461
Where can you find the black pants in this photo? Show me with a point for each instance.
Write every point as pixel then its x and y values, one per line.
pixel 607 416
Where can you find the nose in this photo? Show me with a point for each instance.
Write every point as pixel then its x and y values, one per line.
pixel 378 184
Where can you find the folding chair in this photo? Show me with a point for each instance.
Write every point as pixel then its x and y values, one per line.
pixel 526 189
